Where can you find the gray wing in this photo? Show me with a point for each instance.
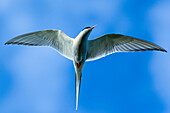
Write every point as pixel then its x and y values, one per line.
pixel 111 43
pixel 53 38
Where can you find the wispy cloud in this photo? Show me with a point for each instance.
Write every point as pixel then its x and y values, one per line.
pixel 159 21
pixel 43 80
pixel 39 79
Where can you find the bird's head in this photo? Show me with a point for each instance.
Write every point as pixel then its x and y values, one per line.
pixel 88 28
pixel 86 31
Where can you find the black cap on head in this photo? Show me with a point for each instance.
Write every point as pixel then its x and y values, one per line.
pixel 90 27
pixel 86 28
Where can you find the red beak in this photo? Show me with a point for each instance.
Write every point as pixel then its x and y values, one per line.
pixel 93 27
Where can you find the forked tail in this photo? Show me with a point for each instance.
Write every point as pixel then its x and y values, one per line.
pixel 77 88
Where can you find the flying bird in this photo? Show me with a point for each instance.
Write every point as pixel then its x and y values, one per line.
pixel 80 49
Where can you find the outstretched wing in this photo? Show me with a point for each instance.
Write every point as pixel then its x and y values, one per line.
pixel 53 38
pixel 111 43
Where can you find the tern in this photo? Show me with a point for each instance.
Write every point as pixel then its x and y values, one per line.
pixel 80 49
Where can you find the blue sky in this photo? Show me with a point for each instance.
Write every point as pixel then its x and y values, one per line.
pixel 40 80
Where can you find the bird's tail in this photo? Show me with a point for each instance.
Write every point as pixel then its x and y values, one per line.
pixel 77 87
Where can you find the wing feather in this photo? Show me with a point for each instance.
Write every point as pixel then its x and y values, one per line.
pixel 111 43
pixel 53 38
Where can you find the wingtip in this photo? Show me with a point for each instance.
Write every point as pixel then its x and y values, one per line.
pixel 163 50
pixel 8 43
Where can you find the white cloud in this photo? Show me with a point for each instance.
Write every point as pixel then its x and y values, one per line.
pixel 40 78
pixel 84 13
pixel 4 5
pixel 20 22
pixel 159 18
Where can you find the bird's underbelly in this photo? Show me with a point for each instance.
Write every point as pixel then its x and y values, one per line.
pixel 80 51
pixel 80 55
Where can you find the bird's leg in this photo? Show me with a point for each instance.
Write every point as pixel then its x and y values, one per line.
pixel 78 64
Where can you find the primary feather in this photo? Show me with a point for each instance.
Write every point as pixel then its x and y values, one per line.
pixel 111 43
pixel 53 38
